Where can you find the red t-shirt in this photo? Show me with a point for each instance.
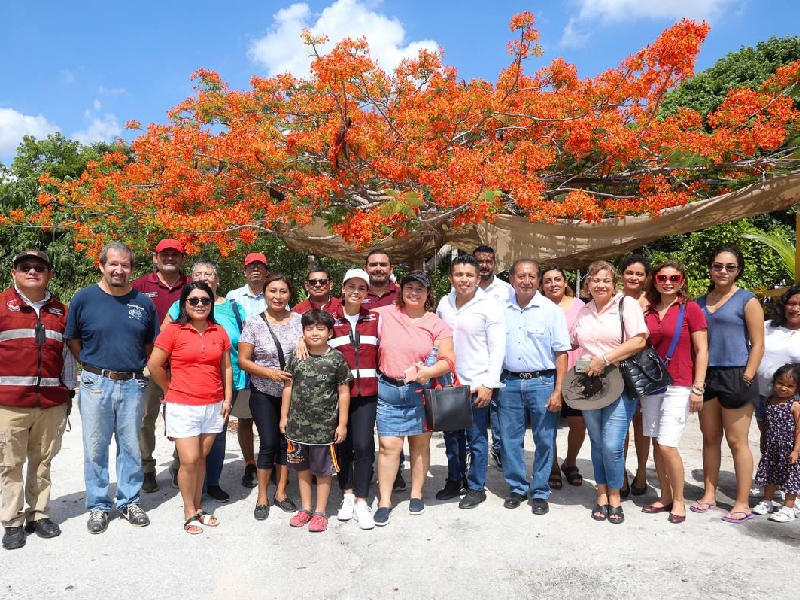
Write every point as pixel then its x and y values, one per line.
pixel 374 301
pixel 195 363
pixel 161 295
pixel 331 306
pixel 681 367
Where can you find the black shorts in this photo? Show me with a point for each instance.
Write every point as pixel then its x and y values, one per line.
pixel 320 459
pixel 567 411
pixel 727 384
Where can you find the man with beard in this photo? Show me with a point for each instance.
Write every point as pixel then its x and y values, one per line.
pixel 111 328
pixel 163 286
pixel 382 290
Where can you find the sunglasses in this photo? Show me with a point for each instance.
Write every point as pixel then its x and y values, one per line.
pixel 670 278
pixel 314 282
pixel 721 267
pixel 195 301
pixel 25 267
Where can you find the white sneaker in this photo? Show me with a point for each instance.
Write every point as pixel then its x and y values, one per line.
pixel 764 507
pixel 363 516
pixel 346 511
pixel 783 515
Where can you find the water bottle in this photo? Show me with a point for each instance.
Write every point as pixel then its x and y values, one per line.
pixel 433 357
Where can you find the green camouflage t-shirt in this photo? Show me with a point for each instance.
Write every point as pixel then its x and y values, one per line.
pixel 314 409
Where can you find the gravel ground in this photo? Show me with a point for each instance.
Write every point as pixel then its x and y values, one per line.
pixel 445 553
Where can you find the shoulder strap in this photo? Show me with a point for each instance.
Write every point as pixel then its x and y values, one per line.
pixel 676 334
pixel 237 315
pixel 621 321
pixel 281 358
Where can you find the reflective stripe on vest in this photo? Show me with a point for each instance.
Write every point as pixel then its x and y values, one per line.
pixel 364 372
pixel 27 381
pixel 371 340
pixel 18 334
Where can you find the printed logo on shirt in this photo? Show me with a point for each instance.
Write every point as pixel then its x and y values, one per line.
pixel 136 312
pixel 151 294
pixel 55 311
pixel 13 305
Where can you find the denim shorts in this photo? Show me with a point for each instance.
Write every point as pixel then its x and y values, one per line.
pixel 401 411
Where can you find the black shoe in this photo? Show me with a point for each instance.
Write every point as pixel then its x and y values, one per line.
pixel 472 498
pixel 453 488
pixel 249 478
pixel 149 485
pixel 135 515
pixel 498 460
pixel 399 483
pixel 14 538
pixel 514 500
pixel 539 506
pixel 261 512
pixel 98 521
pixel 217 493
pixel 286 505
pixel 44 528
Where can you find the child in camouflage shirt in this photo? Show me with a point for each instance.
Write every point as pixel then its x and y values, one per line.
pixel 314 416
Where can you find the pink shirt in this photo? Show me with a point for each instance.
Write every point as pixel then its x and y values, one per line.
pixel 597 333
pixel 572 316
pixel 403 342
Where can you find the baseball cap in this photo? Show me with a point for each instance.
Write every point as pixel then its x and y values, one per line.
pixel 31 253
pixel 169 244
pixel 255 257
pixel 356 274
pixel 419 277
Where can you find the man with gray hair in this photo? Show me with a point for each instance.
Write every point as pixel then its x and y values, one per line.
pixel 111 328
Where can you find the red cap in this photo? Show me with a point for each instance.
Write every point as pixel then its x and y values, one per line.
pixel 255 257
pixel 169 243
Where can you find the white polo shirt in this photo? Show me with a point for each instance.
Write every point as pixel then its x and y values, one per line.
pixel 499 290
pixel 479 338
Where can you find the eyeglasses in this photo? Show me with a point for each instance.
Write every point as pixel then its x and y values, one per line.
pixel 195 301
pixel 670 278
pixel 720 267
pixel 25 267
pixel 316 282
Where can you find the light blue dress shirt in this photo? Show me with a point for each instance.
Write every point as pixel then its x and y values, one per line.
pixel 534 334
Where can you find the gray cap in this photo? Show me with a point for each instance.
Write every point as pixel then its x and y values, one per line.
pixel 31 253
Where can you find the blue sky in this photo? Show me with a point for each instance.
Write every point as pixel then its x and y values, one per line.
pixel 85 68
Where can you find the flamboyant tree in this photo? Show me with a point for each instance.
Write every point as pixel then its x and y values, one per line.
pixel 378 154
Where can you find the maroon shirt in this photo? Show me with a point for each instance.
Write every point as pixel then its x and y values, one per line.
pixel 373 301
pixel 161 295
pixel 331 306
pixel 681 367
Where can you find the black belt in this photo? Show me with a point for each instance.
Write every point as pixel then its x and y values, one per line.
pixel 393 381
pixel 530 374
pixel 114 375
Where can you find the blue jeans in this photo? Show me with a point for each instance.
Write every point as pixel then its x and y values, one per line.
pixel 111 408
pixel 519 398
pixel 607 429
pixel 477 438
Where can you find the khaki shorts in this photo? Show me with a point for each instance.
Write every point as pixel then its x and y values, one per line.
pixel 241 408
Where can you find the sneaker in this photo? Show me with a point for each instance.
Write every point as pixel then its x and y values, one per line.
pixel 149 485
pixel 98 521
pixel 498 461
pixel 218 494
pixel 261 512
pixel 363 515
pixel 382 517
pixel 453 488
pixel 318 523
pixel 472 499
pixel 783 515
pixel 135 515
pixel 399 483
pixel 173 473
pixel 764 507
pixel 44 528
pixel 416 506
pixel 300 519
pixel 346 510
pixel 249 479
pixel 14 538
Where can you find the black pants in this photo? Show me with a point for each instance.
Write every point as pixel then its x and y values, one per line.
pixel 266 411
pixel 357 452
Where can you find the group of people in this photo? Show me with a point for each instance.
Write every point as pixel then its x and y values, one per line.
pixel 317 379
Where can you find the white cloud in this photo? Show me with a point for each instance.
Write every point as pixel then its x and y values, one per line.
pixel 14 125
pixel 99 129
pixel 67 76
pixel 282 50
pixel 111 91
pixel 573 36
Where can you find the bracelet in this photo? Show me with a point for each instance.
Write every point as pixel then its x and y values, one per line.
pixel 697 390
pixel 605 360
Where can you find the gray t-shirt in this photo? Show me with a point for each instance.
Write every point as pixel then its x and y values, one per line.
pixel 265 354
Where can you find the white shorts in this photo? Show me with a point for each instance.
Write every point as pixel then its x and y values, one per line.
pixel 185 420
pixel 664 415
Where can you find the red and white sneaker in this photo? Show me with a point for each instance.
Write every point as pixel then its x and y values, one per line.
pixel 318 523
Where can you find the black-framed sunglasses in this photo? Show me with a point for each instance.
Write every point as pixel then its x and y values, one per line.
pixel 195 301
pixel 25 267
pixel 315 282
pixel 720 267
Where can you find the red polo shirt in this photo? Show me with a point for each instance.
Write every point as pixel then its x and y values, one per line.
pixel 373 301
pixel 331 306
pixel 161 295
pixel 195 363
pixel 681 367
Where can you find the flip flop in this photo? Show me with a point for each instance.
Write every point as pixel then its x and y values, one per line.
pixel 701 507
pixel 729 519
pixel 207 519
pixel 554 481
pixel 192 529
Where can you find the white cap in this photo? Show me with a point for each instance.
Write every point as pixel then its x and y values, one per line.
pixel 356 274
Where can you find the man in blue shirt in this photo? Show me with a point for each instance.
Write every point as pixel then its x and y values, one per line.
pixel 537 341
pixel 110 330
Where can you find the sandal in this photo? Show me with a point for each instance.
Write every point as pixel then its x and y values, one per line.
pixel 554 481
pixel 207 519
pixel 615 515
pixel 192 529
pixel 600 512
pixel 573 475
pixel 702 507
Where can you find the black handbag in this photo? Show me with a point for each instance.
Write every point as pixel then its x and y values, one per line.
pixel 448 408
pixel 645 373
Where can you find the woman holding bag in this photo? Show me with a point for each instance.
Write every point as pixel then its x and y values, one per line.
pixel 678 333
